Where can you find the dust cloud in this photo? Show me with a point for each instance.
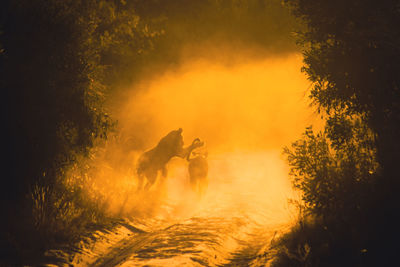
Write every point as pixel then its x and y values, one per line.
pixel 254 105
pixel 244 112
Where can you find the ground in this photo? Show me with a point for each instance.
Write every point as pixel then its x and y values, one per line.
pixel 244 210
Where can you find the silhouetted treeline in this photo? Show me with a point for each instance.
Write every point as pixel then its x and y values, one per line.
pixel 58 60
pixel 348 172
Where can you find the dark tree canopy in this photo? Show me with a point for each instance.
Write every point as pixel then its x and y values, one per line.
pixel 348 173
pixel 352 52
pixel 58 60
pixel 352 56
pixel 54 75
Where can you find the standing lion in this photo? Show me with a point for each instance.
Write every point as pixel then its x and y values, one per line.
pixel 198 171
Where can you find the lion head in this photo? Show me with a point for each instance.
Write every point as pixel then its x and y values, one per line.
pixel 172 143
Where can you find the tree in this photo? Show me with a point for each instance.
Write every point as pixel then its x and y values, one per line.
pixel 58 61
pixel 352 57
pixel 331 166
pixel 336 171
pixel 348 172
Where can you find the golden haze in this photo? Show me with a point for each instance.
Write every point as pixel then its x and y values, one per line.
pixel 255 105
pixel 244 112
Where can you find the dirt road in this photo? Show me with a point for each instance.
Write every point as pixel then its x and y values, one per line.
pixel 244 209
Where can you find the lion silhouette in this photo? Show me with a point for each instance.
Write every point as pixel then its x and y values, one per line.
pixel 153 161
pixel 198 171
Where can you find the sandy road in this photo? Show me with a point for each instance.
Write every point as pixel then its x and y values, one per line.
pixel 232 225
pixel 193 242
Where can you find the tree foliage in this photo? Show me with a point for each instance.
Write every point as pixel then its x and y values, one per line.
pixel 59 61
pixel 333 166
pixel 348 173
pixel 351 52
pixel 352 57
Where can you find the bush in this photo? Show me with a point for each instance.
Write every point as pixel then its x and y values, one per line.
pixel 337 172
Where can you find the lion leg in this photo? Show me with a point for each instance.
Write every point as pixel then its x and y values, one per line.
pixel 192 182
pixel 151 179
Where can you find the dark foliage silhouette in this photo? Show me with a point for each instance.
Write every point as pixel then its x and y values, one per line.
pixel 56 70
pixel 348 173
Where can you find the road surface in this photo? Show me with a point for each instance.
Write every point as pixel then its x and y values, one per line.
pixel 244 209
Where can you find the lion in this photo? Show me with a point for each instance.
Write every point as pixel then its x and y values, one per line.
pixel 198 171
pixel 153 161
